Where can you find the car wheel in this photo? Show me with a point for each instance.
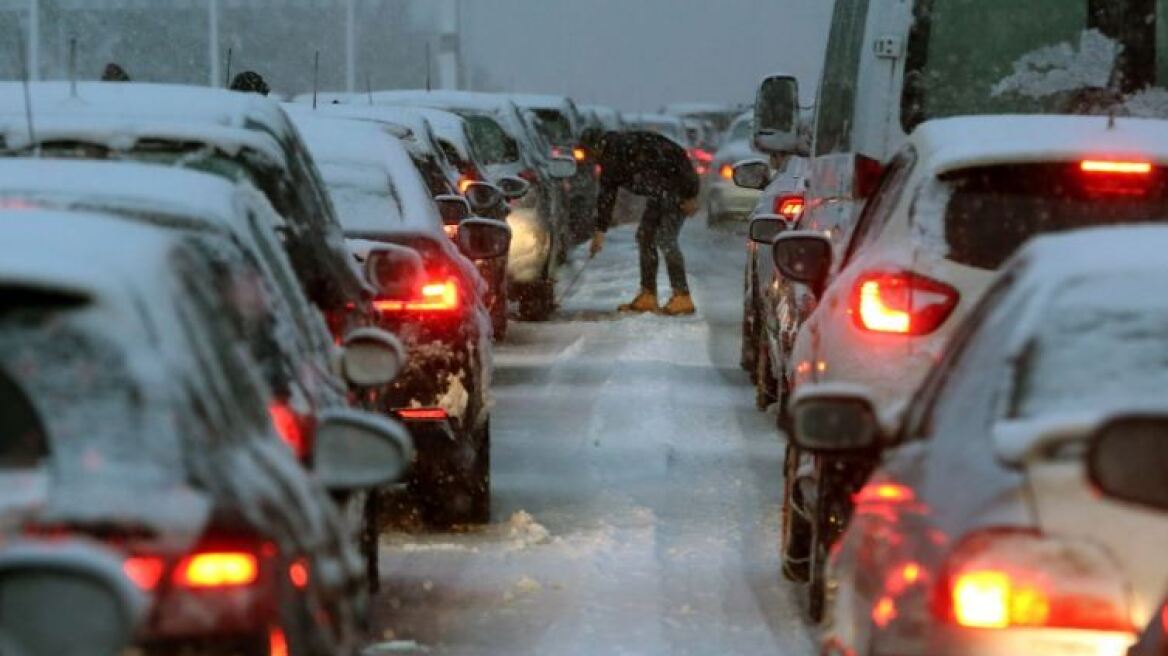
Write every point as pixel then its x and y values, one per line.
pixel 499 318
pixel 794 548
pixel 749 326
pixel 538 301
pixel 830 516
pixel 765 385
pixel 464 496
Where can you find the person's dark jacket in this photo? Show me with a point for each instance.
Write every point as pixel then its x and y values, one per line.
pixel 646 164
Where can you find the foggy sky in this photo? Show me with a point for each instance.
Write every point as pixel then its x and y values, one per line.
pixel 639 54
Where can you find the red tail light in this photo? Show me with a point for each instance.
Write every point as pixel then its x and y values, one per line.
pixel 217 570
pixel 451 230
pixel 884 492
pixel 277 642
pixel 700 155
pixel 421 414
pixel 464 183
pixel 434 296
pixel 298 574
pixel 727 172
pixel 144 571
pixel 1002 579
pixel 1116 168
pixel 788 207
pixel 868 174
pixel 902 303
pixel 291 428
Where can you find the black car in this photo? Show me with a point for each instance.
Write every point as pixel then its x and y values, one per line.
pixel 443 319
pixel 135 418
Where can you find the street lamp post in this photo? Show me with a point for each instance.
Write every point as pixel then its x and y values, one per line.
pixel 34 40
pixel 351 46
pixel 216 67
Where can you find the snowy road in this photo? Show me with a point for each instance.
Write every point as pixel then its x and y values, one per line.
pixel 636 489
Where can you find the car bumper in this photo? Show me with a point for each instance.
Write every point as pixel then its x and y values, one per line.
pixel 531 245
pixel 954 641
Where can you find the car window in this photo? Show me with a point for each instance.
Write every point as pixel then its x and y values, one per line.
pixel 22 436
pixel 558 127
pixel 879 208
pixel 1121 317
pixel 993 210
pixel 491 143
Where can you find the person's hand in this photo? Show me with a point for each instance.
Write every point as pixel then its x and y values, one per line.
pixel 597 244
pixel 689 206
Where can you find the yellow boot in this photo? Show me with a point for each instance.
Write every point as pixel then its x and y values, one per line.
pixel 680 305
pixel 646 301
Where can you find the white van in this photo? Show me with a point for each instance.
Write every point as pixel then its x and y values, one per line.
pixel 890 65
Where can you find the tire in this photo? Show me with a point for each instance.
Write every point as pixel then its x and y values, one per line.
pixel 749 353
pixel 795 535
pixel 464 496
pixel 765 385
pixel 499 319
pixel 537 302
pixel 831 515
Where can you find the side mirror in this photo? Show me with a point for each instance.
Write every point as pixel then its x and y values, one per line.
pixel 562 168
pixel 514 188
pixel 453 208
pixel 765 228
pixel 394 271
pixel 484 239
pixel 752 174
pixel 776 111
pixel 1126 460
pixel 357 450
pixel 803 257
pixel 42 582
pixel 372 357
pixel 834 419
pixel 483 197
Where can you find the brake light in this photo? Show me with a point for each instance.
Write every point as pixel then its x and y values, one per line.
pixel 901 303
pixel 439 296
pixel 288 425
pixel 1117 168
pixel 144 571
pixel 727 172
pixel 788 207
pixel 298 574
pixel 580 154
pixel 1003 579
pixel 277 642
pixel 451 230
pixel 867 176
pixel 877 492
pixel 421 414
pixel 700 155
pixel 217 570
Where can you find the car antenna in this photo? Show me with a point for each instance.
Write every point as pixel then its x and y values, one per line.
pixel 73 68
pixel 315 78
pixel 227 77
pixel 24 79
pixel 428 67
pixel 369 88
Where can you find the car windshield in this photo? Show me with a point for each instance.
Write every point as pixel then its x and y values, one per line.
pixel 1121 317
pixel 559 128
pixel 1036 57
pixel 364 196
pixel 491 143
pixel 741 130
pixel 98 418
pixel 990 211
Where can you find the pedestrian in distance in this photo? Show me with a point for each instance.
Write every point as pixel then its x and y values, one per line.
pixel 114 73
pixel 250 82
pixel 651 165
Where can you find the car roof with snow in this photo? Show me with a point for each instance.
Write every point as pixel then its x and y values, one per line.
pixel 950 144
pixel 467 100
pixel 86 184
pixel 369 174
pixel 540 101
pixel 400 122
pixel 144 102
pixel 1090 252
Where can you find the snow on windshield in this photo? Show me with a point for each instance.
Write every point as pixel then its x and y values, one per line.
pixel 364 197
pixel 1101 344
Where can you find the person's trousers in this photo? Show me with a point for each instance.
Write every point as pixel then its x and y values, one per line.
pixel 660 228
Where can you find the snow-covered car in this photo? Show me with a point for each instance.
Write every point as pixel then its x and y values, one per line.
pixel 609 118
pixel 236 135
pixel 772 309
pixel 725 200
pixel 564 124
pixel 286 335
pixel 143 424
pixel 980 531
pixel 720 115
pixel 443 395
pixel 539 217
pixel 957 201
